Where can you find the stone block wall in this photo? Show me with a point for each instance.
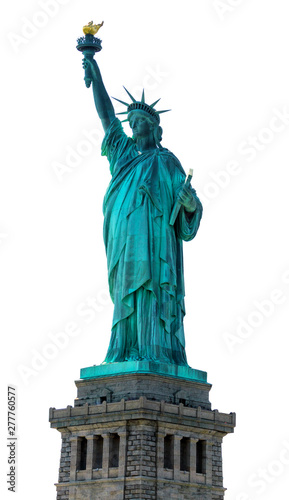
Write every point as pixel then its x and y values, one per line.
pixel 217 467
pixel 141 462
pixel 64 468
pixel 217 496
pixel 63 494
pixel 175 491
pixel 140 491
pixel 141 453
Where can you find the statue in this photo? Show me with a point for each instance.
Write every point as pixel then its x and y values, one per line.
pixel 144 251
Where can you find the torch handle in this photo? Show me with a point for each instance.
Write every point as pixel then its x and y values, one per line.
pixel 88 54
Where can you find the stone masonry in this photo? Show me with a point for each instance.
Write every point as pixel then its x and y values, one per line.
pixel 141 436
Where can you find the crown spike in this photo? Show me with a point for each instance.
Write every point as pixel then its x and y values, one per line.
pixel 132 98
pixel 141 106
pixel 122 102
pixel 154 103
pixel 164 111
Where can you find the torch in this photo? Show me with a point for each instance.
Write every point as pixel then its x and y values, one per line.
pixel 89 45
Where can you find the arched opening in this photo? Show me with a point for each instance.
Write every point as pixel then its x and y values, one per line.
pixel 97 452
pixel 185 454
pixel 201 456
pixel 169 452
pixel 114 450
pixel 81 453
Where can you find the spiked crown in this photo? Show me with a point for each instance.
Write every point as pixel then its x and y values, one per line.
pixel 141 106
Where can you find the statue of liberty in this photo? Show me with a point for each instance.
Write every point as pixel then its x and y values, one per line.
pixel 144 251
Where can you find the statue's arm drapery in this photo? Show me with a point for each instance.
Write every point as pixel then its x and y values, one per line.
pixel 115 144
pixel 187 223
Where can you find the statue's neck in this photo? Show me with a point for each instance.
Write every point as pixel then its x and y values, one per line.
pixel 145 144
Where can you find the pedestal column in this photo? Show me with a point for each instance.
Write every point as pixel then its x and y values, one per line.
pixel 90 442
pixel 105 456
pixel 193 461
pixel 177 456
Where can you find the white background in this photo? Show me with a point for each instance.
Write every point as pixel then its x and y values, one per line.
pixel 222 67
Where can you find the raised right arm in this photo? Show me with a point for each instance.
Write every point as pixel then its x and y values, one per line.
pixel 102 101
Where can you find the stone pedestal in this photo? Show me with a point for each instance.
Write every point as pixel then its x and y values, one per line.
pixel 141 435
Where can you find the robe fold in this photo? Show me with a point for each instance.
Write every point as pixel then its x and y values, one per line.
pixel 144 253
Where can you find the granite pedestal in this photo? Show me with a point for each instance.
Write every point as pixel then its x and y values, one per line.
pixel 141 430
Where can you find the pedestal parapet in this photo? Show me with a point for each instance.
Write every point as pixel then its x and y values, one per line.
pixel 131 380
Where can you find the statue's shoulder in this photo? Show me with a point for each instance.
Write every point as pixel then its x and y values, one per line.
pixel 166 153
pixel 169 157
pixel 115 141
pixel 115 128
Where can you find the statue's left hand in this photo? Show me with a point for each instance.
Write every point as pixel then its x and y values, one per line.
pixel 187 199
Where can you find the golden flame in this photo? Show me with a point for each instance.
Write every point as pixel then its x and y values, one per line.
pixel 91 29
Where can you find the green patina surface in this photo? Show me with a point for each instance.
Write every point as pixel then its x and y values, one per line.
pixel 143 247
pixel 121 368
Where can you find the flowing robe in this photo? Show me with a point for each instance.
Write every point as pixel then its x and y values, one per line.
pixel 144 253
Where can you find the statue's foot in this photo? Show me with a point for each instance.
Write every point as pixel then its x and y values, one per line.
pixel 133 355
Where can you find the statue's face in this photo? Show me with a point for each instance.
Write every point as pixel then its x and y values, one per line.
pixel 140 125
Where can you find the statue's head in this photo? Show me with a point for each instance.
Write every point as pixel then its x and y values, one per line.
pixel 144 125
pixel 146 114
